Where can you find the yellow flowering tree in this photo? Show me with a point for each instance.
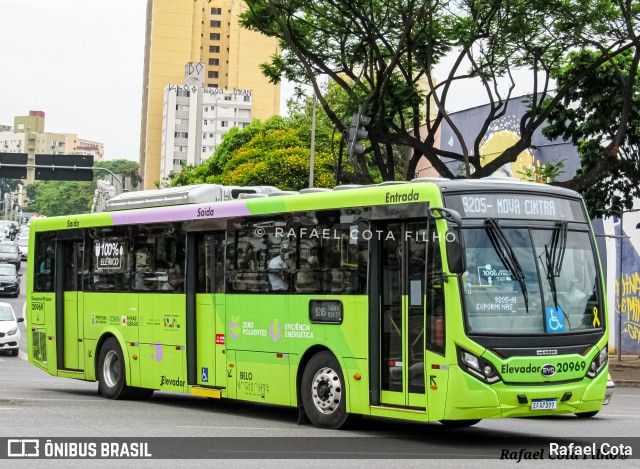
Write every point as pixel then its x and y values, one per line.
pixel 275 152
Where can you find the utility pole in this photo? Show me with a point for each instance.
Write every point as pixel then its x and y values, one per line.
pixel 313 141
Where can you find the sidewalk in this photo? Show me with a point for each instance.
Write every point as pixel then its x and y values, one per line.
pixel 625 373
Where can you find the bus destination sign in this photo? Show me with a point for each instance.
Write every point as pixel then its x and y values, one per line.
pixel 536 207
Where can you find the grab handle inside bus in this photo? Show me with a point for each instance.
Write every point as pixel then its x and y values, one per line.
pixel 456 258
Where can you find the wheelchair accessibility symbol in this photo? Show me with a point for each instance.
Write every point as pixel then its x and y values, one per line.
pixel 205 375
pixel 554 319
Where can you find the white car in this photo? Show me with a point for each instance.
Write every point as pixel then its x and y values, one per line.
pixel 23 247
pixel 9 331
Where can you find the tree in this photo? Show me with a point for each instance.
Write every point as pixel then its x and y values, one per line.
pixel 274 152
pixel 381 54
pixel 278 158
pixel 589 117
pixel 123 168
pixel 231 141
pixel 7 186
pixel 54 198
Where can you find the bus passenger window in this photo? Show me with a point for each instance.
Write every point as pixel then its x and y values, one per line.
pixel 260 264
pixel 333 259
pixel 159 258
pixel 108 265
pixel 45 263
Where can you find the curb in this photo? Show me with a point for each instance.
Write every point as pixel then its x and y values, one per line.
pixel 627 383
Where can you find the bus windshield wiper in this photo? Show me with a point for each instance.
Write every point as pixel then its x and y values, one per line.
pixel 507 256
pixel 554 256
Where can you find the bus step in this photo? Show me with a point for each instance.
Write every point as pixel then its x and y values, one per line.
pixel 414 410
pixel 215 393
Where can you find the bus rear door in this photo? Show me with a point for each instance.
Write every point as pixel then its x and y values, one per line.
pixel 208 365
pixel 69 319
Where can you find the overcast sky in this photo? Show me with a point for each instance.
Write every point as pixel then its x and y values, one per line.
pixel 79 61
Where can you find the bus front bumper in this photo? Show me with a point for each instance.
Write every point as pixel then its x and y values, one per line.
pixel 470 398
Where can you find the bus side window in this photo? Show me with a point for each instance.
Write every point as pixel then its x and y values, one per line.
pixel 159 258
pixel 44 263
pixel 332 259
pixel 261 260
pixel 109 260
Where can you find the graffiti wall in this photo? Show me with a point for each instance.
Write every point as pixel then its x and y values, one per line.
pixel 625 300
pixel 501 135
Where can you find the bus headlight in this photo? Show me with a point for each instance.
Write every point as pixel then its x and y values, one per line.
pixel 477 367
pixel 599 362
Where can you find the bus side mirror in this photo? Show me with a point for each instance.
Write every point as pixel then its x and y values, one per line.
pixel 456 257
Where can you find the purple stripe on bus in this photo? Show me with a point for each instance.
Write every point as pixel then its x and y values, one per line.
pixel 233 209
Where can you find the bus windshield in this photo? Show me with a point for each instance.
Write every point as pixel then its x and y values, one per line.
pixel 557 289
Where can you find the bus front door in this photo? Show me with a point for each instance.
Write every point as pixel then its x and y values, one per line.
pixel 69 319
pixel 401 255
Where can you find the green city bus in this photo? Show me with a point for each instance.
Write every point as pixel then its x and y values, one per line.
pixel 431 300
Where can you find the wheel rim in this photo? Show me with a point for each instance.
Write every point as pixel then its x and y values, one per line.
pixel 326 390
pixel 111 368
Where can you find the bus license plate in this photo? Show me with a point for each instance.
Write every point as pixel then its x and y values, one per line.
pixel 544 404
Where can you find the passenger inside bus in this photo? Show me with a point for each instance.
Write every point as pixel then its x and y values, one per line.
pixel 278 271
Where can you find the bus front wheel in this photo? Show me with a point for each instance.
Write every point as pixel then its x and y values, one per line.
pixel 112 372
pixel 323 393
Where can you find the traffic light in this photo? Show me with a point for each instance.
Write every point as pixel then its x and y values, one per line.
pixel 356 134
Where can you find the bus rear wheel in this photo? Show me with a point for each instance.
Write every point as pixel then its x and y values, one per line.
pixel 323 392
pixel 112 372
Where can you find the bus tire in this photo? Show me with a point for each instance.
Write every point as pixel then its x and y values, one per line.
pixel 323 391
pixel 587 415
pixel 112 374
pixel 459 423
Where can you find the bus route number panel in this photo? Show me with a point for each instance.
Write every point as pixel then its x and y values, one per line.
pixel 325 311
pixel 538 207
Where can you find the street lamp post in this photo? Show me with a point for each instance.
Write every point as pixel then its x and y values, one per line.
pixel 313 141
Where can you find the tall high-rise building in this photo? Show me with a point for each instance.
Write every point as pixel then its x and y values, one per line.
pixel 182 31
pixel 194 121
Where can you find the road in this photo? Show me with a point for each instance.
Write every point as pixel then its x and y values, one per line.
pixel 35 404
